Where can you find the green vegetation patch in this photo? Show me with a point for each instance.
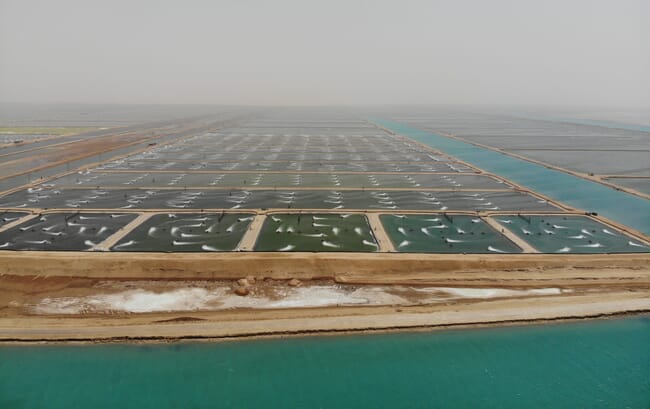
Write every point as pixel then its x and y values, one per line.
pixel 570 234
pixel 444 234
pixel 316 232
pixel 196 232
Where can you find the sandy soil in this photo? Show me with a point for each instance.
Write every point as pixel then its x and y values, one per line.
pixel 99 296
pixel 67 152
pixel 55 308
pixel 491 270
pixel 23 296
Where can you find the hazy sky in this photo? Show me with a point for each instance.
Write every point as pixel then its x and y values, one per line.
pixel 570 52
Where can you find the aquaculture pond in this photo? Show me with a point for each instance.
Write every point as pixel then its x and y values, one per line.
pixel 570 234
pixel 275 199
pixel 639 184
pixel 63 231
pixel 187 232
pixel 444 233
pixel 594 161
pixel 10 217
pixel 435 165
pixel 154 180
pixel 316 232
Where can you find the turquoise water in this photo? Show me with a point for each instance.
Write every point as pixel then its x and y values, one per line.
pixel 627 209
pixel 599 364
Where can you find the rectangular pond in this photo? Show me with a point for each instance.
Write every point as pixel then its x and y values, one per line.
pixel 187 232
pixel 130 198
pixel 316 232
pixel 570 234
pixel 444 233
pixel 64 231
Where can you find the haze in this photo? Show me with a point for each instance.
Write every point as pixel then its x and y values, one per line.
pixel 292 52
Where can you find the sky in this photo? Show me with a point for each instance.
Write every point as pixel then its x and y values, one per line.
pixel 329 52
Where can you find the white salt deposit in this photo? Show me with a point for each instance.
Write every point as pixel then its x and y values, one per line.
pixel 221 298
pixel 494 292
pixel 191 299
pixel 317 296
pixel 184 299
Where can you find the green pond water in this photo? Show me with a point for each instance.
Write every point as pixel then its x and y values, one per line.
pixel 445 234
pixel 187 232
pixel 570 234
pixel 622 207
pixel 316 232
pixel 598 364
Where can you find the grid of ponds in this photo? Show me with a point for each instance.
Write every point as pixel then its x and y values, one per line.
pixel 291 166
pixel 185 232
pixel 64 231
pixel 316 232
pixel 266 179
pixel 444 233
pixel 281 162
pixel 275 199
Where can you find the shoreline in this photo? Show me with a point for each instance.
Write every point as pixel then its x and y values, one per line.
pixel 325 332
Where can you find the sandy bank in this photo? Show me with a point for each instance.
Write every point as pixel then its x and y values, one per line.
pixel 341 293
pixel 389 268
pixel 246 323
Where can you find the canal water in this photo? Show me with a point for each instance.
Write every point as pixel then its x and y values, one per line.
pixel 596 364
